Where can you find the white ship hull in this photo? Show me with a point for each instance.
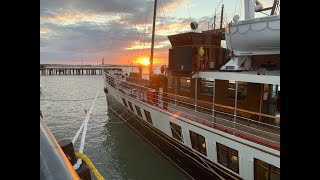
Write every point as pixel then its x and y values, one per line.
pixel 247 150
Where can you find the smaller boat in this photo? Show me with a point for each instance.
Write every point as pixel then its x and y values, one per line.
pixel 54 164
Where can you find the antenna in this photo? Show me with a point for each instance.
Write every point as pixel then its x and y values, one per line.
pixel 215 15
pixel 221 20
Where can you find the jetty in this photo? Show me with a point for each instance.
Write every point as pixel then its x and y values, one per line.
pixel 67 69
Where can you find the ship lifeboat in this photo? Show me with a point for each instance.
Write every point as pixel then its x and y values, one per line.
pixel 254 36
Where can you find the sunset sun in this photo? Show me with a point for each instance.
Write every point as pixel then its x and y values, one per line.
pixel 143 60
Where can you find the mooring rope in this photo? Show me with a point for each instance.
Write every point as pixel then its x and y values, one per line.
pixel 83 137
pixel 124 120
pixel 69 99
pixel 77 134
pixel 90 165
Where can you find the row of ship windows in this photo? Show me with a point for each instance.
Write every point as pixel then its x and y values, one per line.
pixel 227 156
pixel 207 86
pixel 147 113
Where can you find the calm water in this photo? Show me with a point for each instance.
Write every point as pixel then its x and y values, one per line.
pixel 114 149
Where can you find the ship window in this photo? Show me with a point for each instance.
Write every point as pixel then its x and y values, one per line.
pixel 130 105
pixel 232 89
pixel 171 82
pixel 206 87
pixel 124 102
pixel 148 116
pixel 176 131
pixel 265 92
pixel 242 90
pixel 228 157
pixel 138 110
pixel 263 170
pixel 198 142
pixel 185 84
pixel 223 42
pixel 274 91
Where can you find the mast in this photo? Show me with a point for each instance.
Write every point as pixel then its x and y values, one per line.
pixel 275 3
pixel 221 20
pixel 152 42
pixel 214 22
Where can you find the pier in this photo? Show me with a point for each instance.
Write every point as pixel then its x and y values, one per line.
pixel 63 69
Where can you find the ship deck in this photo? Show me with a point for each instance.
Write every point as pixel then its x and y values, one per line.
pixel 240 126
pixel 231 124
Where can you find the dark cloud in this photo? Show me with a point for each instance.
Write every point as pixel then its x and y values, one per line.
pixel 63 42
pixel 70 40
pixel 97 6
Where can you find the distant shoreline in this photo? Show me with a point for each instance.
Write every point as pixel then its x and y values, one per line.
pixel 88 65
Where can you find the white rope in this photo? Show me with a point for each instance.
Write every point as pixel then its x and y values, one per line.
pixel 78 133
pixel 83 137
pixel 69 99
pixel 77 164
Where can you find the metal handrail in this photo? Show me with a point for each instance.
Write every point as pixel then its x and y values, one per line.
pixel 187 103
pixel 226 120
pixel 231 115
pixel 131 85
pixel 265 115
pixel 232 108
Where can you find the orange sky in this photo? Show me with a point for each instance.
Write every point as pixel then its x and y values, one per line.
pixel 118 31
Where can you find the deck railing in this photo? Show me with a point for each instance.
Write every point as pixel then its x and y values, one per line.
pixel 197 110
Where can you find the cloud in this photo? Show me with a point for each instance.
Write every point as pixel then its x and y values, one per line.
pixel 74 18
pixel 112 29
pixel 98 6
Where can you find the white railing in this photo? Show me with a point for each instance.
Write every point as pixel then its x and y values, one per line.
pixel 237 125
